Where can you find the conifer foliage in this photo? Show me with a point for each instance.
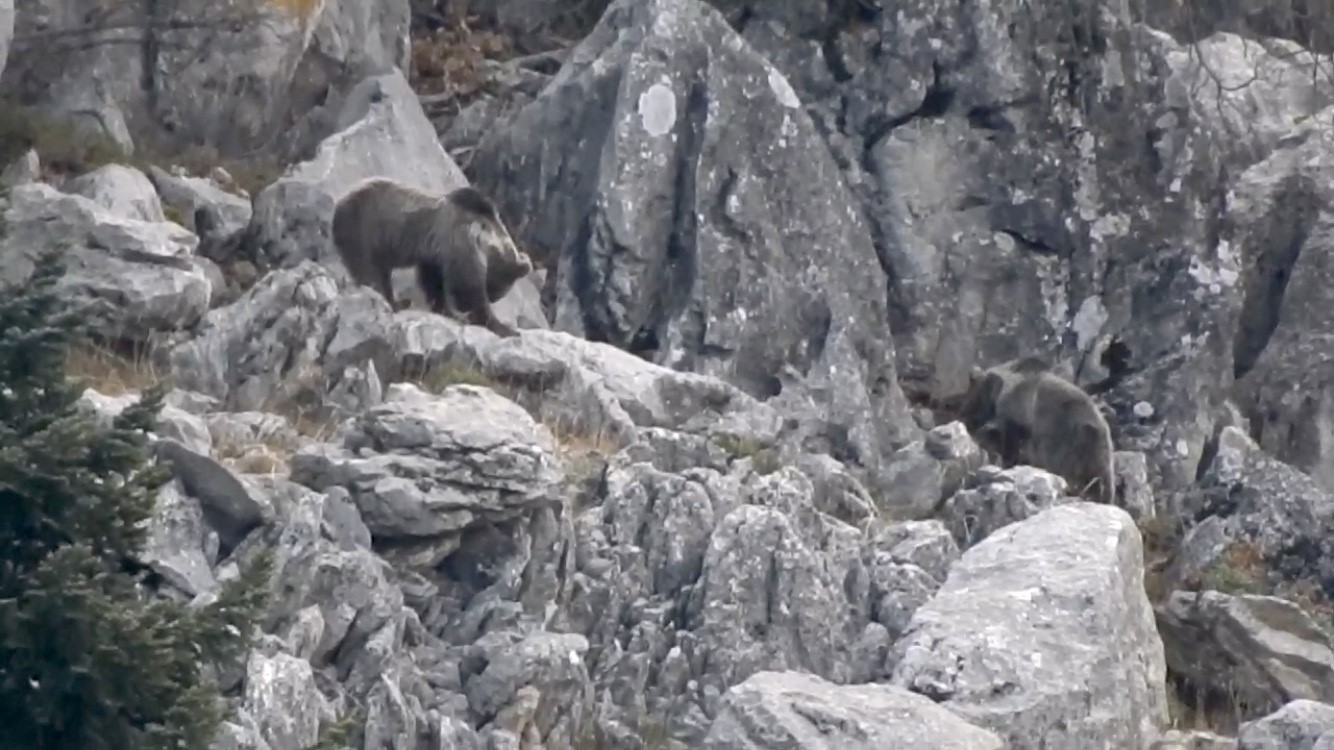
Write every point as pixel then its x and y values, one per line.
pixel 89 656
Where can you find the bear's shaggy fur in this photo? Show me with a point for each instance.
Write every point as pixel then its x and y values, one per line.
pixel 464 255
pixel 1027 414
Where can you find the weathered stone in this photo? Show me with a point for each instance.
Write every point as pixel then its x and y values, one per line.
pixel 128 277
pixel 6 30
pixel 1299 724
pixel 122 190
pixel 920 476
pixel 765 275
pixel 288 56
pixel 803 712
pixel 1007 496
pixel 1264 650
pixel 1043 634
pixel 421 467
pixel 290 337
pixel 227 504
pixel 281 694
pixel 187 194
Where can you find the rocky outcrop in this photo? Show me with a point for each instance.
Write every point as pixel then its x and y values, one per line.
pixel 697 216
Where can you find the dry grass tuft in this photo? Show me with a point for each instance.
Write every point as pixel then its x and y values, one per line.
pixel 108 372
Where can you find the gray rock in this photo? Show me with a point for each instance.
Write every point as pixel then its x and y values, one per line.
pixel 228 506
pixel 292 336
pixel 1134 493
pixel 1299 725
pixel 391 716
pixel 187 194
pixel 766 275
pixel 122 190
pixel 185 428
pixel 1277 513
pixel 1284 373
pixel 1267 651
pixel 553 663
pixel 240 734
pixel 588 388
pixel 1176 739
pixel 804 712
pixel 175 545
pixel 1007 496
pixel 281 694
pixel 1043 634
pixel 129 277
pixel 920 476
pixel 288 57
pixel 421 467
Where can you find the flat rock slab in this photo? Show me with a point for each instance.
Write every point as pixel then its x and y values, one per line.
pixel 798 711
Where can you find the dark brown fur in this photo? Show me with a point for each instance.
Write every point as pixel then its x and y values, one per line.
pixel 1026 414
pixel 464 255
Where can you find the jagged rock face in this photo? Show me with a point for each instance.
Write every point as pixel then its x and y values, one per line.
pixel 1278 214
pixel 231 76
pixel 1028 196
pixel 696 214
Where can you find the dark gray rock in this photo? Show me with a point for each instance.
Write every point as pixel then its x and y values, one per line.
pixel 227 505
pixel 423 468
pixel 1264 650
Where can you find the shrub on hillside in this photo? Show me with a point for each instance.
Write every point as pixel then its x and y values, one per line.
pixel 89 656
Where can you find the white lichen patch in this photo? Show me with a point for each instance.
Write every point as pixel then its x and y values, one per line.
pixel 783 90
pixel 657 109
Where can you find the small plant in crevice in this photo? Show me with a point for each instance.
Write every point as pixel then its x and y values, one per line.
pixel 1240 569
pixel 764 458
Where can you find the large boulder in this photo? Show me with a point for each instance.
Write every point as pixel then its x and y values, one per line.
pixel 1043 634
pixel 697 217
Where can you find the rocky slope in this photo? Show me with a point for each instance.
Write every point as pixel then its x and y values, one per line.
pixel 701 501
